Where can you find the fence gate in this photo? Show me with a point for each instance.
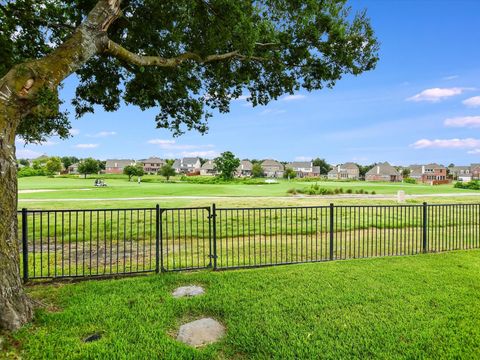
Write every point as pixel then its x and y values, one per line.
pixel 185 239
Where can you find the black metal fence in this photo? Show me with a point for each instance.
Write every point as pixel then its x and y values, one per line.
pixel 102 242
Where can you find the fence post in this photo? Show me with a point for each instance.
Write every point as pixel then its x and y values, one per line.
pixel 331 229
pixel 214 225
pixel 425 233
pixel 158 228
pixel 25 244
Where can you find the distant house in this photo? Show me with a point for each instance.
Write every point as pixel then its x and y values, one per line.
pixel 245 168
pixel 152 165
pixel 272 168
pixel 429 174
pixel 302 168
pixel 208 169
pixel 461 173
pixel 475 171
pixel 347 171
pixel 188 165
pixel 383 172
pixel 115 166
pixel 73 169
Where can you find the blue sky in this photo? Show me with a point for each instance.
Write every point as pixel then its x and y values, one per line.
pixel 421 104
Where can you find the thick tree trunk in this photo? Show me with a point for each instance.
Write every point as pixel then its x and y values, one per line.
pixel 15 307
pixel 18 89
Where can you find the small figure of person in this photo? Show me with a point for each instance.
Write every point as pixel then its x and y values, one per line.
pixel 139 179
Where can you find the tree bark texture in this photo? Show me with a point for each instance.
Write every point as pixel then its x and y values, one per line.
pixel 18 89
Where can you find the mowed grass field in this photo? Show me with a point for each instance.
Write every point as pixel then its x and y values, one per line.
pixel 122 193
pixel 423 306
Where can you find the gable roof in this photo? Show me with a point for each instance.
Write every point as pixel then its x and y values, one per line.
pixel 300 164
pixel 245 165
pixel 119 162
pixel 153 160
pixel 383 169
pixel 270 162
pixel 209 165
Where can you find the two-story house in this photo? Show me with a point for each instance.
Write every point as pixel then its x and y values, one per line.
pixel 116 166
pixel 152 165
pixel 208 169
pixel 429 174
pixel 302 168
pixel 187 165
pixel 347 171
pixel 383 172
pixel 244 169
pixel 272 168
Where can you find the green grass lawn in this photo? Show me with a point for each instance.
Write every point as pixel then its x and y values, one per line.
pixel 120 187
pixel 424 306
pixel 234 195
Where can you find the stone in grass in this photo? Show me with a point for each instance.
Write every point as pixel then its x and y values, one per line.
pixel 92 338
pixel 201 332
pixel 192 290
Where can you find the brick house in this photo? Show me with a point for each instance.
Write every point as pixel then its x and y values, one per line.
pixel 347 171
pixel 208 169
pixel 303 168
pixel 433 174
pixel 115 166
pixel 383 172
pixel 245 168
pixel 272 168
pixel 152 165
pixel 187 165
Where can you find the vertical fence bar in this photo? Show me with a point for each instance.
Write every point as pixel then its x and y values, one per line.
pixel 425 214
pixel 331 230
pixel 214 217
pixel 25 244
pixel 158 227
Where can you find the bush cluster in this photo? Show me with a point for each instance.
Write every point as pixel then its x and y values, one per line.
pixel 470 185
pixel 317 190
pixel 409 180
pixel 28 171
pixel 219 180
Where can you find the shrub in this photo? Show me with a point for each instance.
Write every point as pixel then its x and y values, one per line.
pixel 470 185
pixel 373 193
pixel 28 171
pixel 409 180
pixel 349 191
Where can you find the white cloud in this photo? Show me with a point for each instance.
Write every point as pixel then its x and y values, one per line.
pixel 451 77
pixel 74 132
pixel 463 121
pixel 172 145
pixel 103 134
pixel 437 94
pixel 467 143
pixel 272 112
pixel 303 158
pixel 86 146
pixel 472 102
pixel 474 151
pixel 204 154
pixel 27 154
pixel 293 97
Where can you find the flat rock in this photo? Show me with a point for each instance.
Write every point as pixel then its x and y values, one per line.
pixel 201 332
pixel 192 290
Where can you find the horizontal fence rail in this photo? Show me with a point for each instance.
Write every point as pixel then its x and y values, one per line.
pixel 102 242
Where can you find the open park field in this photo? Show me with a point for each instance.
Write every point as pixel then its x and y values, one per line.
pixel 423 306
pixel 74 192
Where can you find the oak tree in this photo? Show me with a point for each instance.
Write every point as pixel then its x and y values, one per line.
pixel 185 58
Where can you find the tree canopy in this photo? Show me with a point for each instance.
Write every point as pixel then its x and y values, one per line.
pixel 88 166
pixel 226 164
pixel 186 58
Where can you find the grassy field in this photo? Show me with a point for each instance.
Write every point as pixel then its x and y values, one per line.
pixel 121 193
pixel 423 306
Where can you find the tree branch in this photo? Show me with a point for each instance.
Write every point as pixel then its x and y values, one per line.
pixel 119 52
